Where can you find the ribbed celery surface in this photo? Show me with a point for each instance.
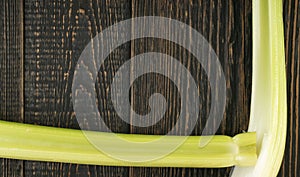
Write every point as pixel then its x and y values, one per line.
pixel 32 142
pixel 269 95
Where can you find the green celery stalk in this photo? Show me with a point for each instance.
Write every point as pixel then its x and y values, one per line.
pixel 32 142
pixel 267 119
pixel 269 103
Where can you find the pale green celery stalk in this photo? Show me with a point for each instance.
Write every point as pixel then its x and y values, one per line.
pixel 269 103
pixel 31 142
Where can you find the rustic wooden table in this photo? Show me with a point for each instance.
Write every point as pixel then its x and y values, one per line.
pixel 41 41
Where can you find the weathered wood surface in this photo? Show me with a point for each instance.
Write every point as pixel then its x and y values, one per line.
pixel 36 79
pixel 227 27
pixel 56 32
pixel 291 165
pixel 11 74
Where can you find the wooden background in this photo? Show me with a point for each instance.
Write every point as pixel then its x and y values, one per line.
pixel 41 41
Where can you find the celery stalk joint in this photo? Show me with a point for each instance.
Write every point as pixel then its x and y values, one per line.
pixel 268 103
pixel 257 153
pixel 33 142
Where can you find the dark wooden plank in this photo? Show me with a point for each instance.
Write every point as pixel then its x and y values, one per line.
pixel 291 165
pixel 227 27
pixel 56 33
pixel 11 73
pixel 226 46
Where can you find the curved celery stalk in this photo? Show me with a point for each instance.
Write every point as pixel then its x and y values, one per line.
pixel 31 142
pixel 269 103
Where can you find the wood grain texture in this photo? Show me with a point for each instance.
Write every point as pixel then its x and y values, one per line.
pixel 290 166
pixel 11 74
pixel 56 32
pixel 227 27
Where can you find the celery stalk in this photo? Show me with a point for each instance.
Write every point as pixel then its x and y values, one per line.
pixel 268 119
pixel 269 103
pixel 32 142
